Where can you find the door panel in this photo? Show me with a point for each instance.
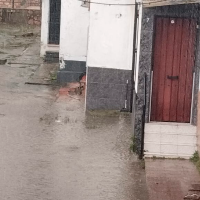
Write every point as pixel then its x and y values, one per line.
pixel 162 65
pixel 183 71
pixel 168 69
pixel 173 69
pixel 54 21
pixel 156 63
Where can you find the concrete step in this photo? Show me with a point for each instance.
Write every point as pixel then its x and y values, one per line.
pixel 51 57
pixel 170 140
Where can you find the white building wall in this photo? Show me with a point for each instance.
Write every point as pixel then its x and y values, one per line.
pixel 44 27
pixel 111 34
pixel 74 30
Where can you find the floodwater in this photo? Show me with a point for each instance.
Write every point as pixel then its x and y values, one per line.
pixel 50 149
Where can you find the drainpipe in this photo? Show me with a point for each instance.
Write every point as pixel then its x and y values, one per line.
pixel 134 51
pixel 13 4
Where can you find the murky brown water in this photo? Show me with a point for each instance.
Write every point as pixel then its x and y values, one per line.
pixel 49 149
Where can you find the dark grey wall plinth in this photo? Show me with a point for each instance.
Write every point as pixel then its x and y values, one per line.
pixel 106 88
pixel 149 14
pixel 51 57
pixel 72 72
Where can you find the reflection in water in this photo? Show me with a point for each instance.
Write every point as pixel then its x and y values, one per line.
pixel 49 150
pixel 57 154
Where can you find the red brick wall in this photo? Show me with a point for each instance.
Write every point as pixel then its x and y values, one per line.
pixel 19 3
pixel 5 3
pixel 20 16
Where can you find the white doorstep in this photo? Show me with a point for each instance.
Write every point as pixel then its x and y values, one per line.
pixel 170 140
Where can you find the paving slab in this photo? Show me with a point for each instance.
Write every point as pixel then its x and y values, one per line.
pixel 170 179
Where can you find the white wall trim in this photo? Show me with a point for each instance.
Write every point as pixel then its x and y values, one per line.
pixel 138 47
pixel 44 27
pixel 111 36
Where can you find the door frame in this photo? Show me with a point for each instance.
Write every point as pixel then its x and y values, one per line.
pixel 194 67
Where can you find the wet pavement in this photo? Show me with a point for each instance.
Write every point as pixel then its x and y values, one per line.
pixel 49 148
pixel 170 179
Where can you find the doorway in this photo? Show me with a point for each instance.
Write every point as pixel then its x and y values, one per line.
pixel 54 22
pixel 173 66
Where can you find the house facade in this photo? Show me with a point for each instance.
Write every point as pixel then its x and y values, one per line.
pixel 82 25
pixel 139 56
pixel 109 61
pixel 50 29
pixel 169 60
pixel 73 40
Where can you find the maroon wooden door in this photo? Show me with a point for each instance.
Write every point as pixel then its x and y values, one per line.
pixel 173 62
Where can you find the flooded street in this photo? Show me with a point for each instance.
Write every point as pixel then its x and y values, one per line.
pixel 49 148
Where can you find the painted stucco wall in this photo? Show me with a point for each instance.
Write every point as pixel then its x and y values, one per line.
pixel 44 27
pixel 74 30
pixel 111 35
